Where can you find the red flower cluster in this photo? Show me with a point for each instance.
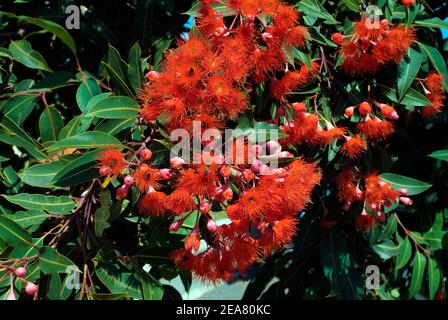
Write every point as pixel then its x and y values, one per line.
pixel 208 78
pixel 263 216
pixel 375 194
pixel 435 93
pixel 373 45
pixel 263 210
pixel 205 78
pixel 306 128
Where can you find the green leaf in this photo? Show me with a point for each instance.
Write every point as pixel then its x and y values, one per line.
pixel 51 204
pixel 86 91
pixel 352 5
pixel 437 61
pixel 11 178
pixel 29 218
pixel 387 249
pixel 117 281
pixel 411 98
pixel 52 27
pixel 18 108
pixel 435 239
pixel 221 8
pixel 441 155
pixel 80 170
pixel 57 80
pixel 398 182
pixel 13 234
pixel 71 128
pixel 26 252
pixel 434 277
pixel 135 71
pixel 407 70
pixel 115 126
pixel 303 57
pixel 41 175
pixel 22 51
pixel 405 254
pixel 116 107
pixel 152 290
pixel 118 71
pixel 54 287
pixel 391 226
pixel 86 140
pixel 102 215
pixel 50 124
pixel 418 271
pixel 12 133
pixel 314 7
pixel 95 100
pixel 52 262
pixel 432 23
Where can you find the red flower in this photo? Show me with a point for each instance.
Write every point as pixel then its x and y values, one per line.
pixel 434 83
pixel 180 201
pixel 354 147
pixel 372 47
pixel 112 159
pixel 153 204
pixel 199 181
pixel 376 129
pixel 146 178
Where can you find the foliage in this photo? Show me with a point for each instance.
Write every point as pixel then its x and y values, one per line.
pixel 67 95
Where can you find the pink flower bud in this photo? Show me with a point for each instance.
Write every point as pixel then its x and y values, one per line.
pixel 284 154
pixel 122 192
pixel 145 154
pixel 152 76
pixel 212 226
pixel 227 194
pixel 205 207
pixel 250 18
pixel 406 201
pixel 220 31
pixel 165 174
pixel 129 180
pixel 105 171
pixel 266 36
pixel 403 191
pixel 30 288
pixel 20 272
pixel 265 170
pixel 255 166
pixel 176 162
pixel 176 225
pixel 349 112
